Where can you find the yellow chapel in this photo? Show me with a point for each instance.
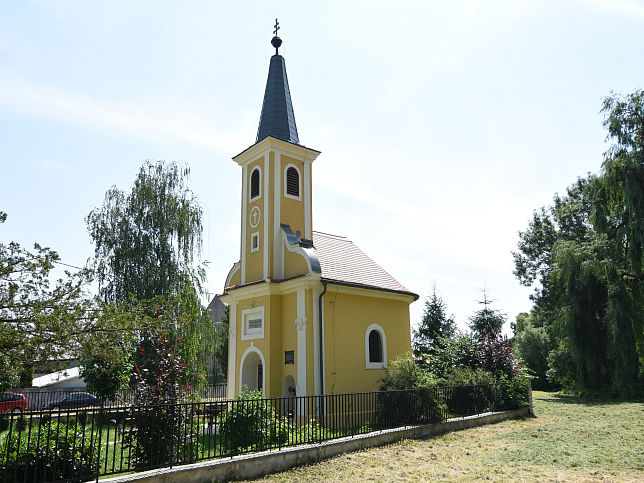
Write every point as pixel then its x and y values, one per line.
pixel 310 313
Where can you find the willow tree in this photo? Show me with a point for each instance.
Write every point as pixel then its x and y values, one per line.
pixel 619 220
pixel 586 253
pixel 148 244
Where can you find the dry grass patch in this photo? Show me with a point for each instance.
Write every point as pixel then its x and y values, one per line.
pixel 571 439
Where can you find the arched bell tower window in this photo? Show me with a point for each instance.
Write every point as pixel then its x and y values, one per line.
pixel 255 188
pixel 292 181
pixel 375 347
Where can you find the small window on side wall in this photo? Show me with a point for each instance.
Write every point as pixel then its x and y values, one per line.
pixel 254 242
pixel 292 182
pixel 255 190
pixel 375 347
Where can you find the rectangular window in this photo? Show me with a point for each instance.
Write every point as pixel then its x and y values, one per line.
pixel 289 357
pixel 254 242
pixel 253 323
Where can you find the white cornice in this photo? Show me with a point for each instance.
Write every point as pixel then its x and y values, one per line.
pixel 369 292
pixel 270 143
pixel 235 294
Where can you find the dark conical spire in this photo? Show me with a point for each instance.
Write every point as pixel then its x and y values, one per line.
pixel 277 117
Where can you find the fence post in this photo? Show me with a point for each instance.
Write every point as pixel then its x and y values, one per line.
pixel 529 378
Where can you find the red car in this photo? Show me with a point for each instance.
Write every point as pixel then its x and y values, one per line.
pixel 11 402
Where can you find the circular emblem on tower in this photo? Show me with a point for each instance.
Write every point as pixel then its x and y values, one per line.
pixel 254 217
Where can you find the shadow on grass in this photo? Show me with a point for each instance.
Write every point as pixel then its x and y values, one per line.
pixel 558 397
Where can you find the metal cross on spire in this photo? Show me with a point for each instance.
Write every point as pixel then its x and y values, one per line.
pixel 276 41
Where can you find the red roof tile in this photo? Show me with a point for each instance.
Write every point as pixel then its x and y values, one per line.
pixel 341 260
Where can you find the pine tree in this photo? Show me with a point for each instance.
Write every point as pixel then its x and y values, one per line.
pixel 487 320
pixel 434 326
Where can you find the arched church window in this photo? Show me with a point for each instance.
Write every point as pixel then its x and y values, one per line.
pixel 375 347
pixel 255 176
pixel 292 182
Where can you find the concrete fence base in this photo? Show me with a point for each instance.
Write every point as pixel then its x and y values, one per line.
pixel 258 464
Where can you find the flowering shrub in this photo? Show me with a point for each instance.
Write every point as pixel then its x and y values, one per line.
pixel 495 355
pixel 163 431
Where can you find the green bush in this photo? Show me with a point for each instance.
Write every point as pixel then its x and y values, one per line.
pixel 514 393
pixel 4 422
pixel 408 395
pixel 404 373
pixel 21 424
pixel 251 423
pixel 52 452
pixel 164 434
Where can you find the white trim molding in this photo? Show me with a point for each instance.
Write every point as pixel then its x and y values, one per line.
pixel 383 342
pixel 278 271
pixel 254 349
pixel 299 182
pixel 243 228
pixel 307 200
pixel 300 325
pixel 266 214
pixel 232 350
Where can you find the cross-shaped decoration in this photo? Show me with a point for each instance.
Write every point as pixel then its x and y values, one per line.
pixel 277 27
pixel 255 216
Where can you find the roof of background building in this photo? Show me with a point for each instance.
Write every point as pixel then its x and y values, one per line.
pixel 58 376
pixel 341 260
pixel 216 309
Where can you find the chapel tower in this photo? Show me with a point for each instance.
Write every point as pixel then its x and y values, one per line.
pixel 276 181
pixel 310 313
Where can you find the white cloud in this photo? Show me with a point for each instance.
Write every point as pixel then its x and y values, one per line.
pixel 620 6
pixel 174 120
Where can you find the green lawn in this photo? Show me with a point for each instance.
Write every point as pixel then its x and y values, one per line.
pixel 570 439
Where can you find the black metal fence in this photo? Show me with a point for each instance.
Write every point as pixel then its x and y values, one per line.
pixel 83 444
pixel 38 399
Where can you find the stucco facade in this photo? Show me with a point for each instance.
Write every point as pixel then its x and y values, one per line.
pixel 309 312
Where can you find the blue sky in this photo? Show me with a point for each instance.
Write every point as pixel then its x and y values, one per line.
pixel 442 125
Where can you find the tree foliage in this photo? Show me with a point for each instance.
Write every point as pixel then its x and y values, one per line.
pixel 457 351
pixel 584 255
pixel 532 345
pixel 147 245
pixel 434 327
pixel 495 355
pixel 147 242
pixel 221 341
pixel 39 319
pixel 486 320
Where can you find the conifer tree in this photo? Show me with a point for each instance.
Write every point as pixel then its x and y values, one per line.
pixel 434 327
pixel 487 320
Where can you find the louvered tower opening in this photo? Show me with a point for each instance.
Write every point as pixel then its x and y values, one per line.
pixel 292 182
pixel 254 184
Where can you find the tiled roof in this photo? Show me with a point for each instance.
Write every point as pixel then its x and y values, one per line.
pixel 341 260
pixel 277 117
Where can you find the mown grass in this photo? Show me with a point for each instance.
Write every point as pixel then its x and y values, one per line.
pixel 570 439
